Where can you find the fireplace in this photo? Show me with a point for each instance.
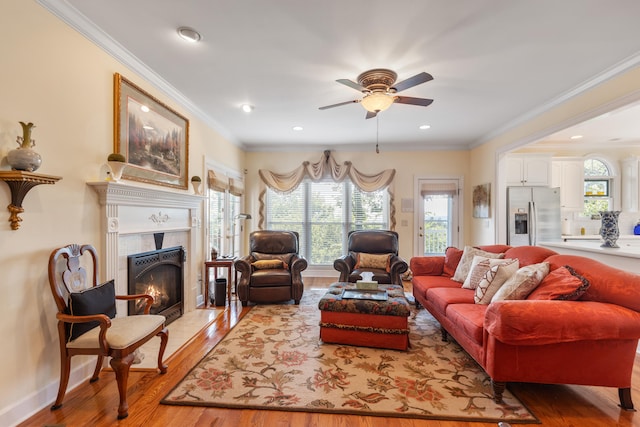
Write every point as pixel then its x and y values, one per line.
pixel 160 274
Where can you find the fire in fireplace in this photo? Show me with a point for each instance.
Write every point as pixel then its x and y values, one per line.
pixel 159 273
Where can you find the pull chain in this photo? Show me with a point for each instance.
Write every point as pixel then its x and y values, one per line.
pixel 377 133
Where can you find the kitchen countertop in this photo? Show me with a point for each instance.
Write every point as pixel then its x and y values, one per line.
pixel 629 248
pixel 567 237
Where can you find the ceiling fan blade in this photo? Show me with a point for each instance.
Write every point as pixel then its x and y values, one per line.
pixel 353 85
pixel 413 101
pixel 412 81
pixel 339 104
pixel 371 114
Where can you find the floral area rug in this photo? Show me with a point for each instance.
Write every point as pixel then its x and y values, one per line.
pixel 273 359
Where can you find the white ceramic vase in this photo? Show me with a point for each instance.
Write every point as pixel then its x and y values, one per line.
pixel 116 170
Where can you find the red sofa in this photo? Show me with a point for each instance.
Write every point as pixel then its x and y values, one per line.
pixel 590 341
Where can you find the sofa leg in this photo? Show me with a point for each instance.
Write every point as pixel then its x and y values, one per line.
pixel 625 399
pixel 418 305
pixel 445 334
pixel 498 388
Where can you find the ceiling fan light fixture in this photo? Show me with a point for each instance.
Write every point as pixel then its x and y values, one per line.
pixel 377 101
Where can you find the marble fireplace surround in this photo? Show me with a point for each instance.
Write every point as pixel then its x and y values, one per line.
pixel 130 215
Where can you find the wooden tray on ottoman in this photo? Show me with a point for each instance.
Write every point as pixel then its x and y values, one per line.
pixel 363 321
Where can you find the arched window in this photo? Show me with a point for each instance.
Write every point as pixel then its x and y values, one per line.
pixel 598 187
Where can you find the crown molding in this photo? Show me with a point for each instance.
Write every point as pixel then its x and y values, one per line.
pixel 76 20
pixel 608 74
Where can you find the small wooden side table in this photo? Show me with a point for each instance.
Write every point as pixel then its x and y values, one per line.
pixel 215 264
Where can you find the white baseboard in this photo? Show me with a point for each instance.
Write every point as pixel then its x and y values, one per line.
pixel 318 271
pixel 29 405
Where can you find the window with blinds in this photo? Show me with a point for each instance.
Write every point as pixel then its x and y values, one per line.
pixel 225 198
pixel 323 213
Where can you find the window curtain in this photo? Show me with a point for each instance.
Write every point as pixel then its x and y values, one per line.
pixel 327 166
pixel 236 187
pixel 437 188
pixel 217 181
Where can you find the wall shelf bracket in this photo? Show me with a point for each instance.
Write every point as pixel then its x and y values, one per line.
pixel 20 182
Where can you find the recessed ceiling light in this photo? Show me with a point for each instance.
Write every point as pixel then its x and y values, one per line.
pixel 189 34
pixel 423 127
pixel 298 128
pixel 247 108
pixel 576 137
pixel 144 108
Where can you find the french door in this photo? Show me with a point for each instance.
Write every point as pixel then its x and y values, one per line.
pixel 438 215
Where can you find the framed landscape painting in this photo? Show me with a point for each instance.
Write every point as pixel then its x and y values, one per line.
pixel 153 138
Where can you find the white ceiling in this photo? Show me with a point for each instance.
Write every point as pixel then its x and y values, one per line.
pixel 494 62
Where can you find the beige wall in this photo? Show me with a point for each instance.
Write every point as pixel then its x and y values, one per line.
pixel 54 77
pixel 408 165
pixel 57 79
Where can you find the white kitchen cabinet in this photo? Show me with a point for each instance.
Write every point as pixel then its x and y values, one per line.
pixel 528 169
pixel 568 174
pixel 630 186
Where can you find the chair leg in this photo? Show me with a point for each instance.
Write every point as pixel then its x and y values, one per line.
pixel 164 338
pixel 96 373
pixel 65 368
pixel 121 369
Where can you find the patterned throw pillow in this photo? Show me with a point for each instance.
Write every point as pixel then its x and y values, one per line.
pixel 520 285
pixel 267 264
pixel 493 280
pixel 379 261
pixel 479 268
pixel 462 271
pixel 563 283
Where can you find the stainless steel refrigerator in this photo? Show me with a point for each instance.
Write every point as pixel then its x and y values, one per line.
pixel 534 215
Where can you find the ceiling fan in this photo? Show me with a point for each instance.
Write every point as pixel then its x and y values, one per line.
pixel 379 88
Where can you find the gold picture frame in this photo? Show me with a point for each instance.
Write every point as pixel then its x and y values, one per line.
pixel 153 138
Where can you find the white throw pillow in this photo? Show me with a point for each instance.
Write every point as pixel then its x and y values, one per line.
pixel 495 277
pixel 479 266
pixel 462 271
pixel 522 283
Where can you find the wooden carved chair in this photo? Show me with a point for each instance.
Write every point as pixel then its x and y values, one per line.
pixel 87 323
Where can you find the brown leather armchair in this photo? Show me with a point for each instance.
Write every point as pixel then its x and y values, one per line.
pixel 272 272
pixel 372 245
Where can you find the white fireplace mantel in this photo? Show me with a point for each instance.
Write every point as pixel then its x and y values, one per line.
pixel 131 215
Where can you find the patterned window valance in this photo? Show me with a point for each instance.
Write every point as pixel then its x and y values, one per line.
pixel 289 181
pixel 327 166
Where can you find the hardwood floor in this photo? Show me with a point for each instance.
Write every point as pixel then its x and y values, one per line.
pixel 96 404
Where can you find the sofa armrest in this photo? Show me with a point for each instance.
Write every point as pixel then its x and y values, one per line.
pixel 427 265
pixel 344 265
pixel 397 266
pixel 531 322
pixel 244 267
pixel 298 265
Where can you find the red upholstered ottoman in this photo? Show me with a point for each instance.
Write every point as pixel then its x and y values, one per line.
pixel 365 322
